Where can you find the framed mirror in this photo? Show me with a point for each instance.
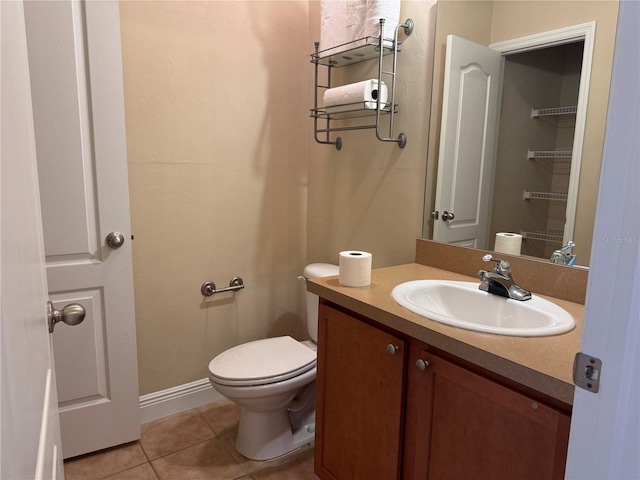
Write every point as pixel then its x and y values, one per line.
pixel 530 155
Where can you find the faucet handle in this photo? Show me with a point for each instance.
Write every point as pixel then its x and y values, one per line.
pixel 502 266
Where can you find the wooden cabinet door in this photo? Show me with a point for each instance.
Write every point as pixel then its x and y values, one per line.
pixel 360 399
pixel 461 425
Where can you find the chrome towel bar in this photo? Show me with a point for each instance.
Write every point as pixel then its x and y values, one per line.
pixel 209 288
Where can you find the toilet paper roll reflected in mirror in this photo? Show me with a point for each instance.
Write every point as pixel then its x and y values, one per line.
pixel 355 268
pixel 507 242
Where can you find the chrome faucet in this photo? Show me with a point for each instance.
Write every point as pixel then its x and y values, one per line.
pixel 564 257
pixel 500 282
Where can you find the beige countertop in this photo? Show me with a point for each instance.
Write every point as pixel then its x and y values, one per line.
pixel 544 364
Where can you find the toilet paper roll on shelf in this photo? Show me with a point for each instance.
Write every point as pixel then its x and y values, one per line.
pixel 509 243
pixel 354 268
pixel 355 96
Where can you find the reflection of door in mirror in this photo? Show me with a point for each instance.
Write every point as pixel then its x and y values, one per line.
pixel 517 171
pixel 467 144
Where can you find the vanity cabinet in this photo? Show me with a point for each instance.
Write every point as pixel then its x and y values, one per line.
pixel 360 399
pixel 390 407
pixel 462 425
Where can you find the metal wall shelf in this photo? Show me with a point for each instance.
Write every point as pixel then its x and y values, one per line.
pixel 561 197
pixel 559 118
pixel 551 236
pixel 554 111
pixel 367 48
pixel 351 111
pixel 353 52
pixel 559 155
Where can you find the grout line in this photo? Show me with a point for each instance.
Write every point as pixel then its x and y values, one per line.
pixel 215 435
pixel 143 450
pixel 181 449
pixel 155 472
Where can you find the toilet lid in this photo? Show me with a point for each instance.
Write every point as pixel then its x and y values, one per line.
pixel 262 361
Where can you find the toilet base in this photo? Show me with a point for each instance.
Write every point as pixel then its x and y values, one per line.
pixel 267 435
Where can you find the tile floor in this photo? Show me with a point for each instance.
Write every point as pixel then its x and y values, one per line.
pixel 192 445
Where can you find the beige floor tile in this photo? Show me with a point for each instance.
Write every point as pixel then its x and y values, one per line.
pixel 141 472
pixel 222 416
pixel 173 433
pixel 207 460
pixel 255 465
pixel 298 467
pixel 104 463
pixel 229 440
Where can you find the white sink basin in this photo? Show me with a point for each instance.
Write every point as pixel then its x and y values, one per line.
pixel 463 305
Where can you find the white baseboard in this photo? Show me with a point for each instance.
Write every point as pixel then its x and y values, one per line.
pixel 177 399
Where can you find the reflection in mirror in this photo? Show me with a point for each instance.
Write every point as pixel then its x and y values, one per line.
pixel 536 154
pixel 532 191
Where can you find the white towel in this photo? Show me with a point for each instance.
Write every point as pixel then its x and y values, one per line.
pixel 346 21
pixel 340 23
pixel 377 9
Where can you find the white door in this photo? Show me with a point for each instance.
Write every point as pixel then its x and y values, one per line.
pixel 605 426
pixel 29 429
pixel 76 78
pixel 467 143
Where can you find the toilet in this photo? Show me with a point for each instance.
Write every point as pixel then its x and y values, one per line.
pixel 273 380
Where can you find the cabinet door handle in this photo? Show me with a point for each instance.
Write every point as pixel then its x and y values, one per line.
pixel 392 349
pixel 422 364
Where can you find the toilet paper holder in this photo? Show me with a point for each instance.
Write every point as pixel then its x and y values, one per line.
pixel 209 288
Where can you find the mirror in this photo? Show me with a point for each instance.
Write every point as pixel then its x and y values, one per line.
pixel 494 23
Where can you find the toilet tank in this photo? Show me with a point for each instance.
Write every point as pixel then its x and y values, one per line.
pixel 316 270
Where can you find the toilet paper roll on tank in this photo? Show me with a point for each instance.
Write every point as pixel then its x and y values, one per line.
pixel 507 242
pixel 354 268
pixel 355 96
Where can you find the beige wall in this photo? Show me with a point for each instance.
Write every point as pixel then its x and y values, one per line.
pixel 217 138
pixel 369 195
pixel 513 19
pixel 226 179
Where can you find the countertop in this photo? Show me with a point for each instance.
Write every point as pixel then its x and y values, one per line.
pixel 544 364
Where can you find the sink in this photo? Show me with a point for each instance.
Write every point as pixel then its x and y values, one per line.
pixel 463 305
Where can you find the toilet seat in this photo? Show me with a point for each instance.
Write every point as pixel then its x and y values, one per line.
pixel 262 362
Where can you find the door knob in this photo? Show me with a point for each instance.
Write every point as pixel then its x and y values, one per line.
pixel 115 240
pixel 447 216
pixel 71 314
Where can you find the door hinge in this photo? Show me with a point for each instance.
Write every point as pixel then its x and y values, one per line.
pixel 587 371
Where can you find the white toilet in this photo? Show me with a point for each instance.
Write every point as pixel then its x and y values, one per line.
pixel 273 379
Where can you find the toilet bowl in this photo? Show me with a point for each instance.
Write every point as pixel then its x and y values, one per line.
pixel 273 380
